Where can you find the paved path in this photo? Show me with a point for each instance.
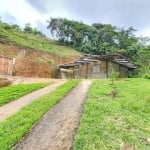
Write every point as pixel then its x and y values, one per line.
pixel 14 106
pixel 57 128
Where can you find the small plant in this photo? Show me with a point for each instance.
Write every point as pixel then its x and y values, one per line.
pixel 114 92
pixel 114 76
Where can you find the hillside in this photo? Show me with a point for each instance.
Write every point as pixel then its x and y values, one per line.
pixel 30 55
pixel 26 40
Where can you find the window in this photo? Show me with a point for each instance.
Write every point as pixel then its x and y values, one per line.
pixel 96 69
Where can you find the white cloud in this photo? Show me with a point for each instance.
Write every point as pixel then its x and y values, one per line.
pixel 123 13
pixel 21 10
pixel 24 13
pixel 144 32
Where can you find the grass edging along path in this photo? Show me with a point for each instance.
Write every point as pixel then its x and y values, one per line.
pixel 122 122
pixel 13 92
pixel 17 125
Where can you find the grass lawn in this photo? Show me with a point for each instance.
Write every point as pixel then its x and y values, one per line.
pixel 10 93
pixel 121 122
pixel 17 125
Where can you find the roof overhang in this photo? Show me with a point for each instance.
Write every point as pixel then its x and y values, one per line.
pixel 116 58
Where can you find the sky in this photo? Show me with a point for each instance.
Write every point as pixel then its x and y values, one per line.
pixel 121 13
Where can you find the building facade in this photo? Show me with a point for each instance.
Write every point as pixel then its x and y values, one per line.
pixel 97 66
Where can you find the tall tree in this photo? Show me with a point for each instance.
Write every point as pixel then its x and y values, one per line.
pixel 95 39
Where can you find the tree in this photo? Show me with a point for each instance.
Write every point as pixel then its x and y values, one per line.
pixel 16 27
pixel 143 61
pixel 95 39
pixel 28 28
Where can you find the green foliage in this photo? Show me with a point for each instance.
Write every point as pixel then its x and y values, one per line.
pixel 10 93
pixel 95 39
pixel 119 123
pixel 102 39
pixel 147 76
pixel 19 124
pixel 28 40
pixel 143 61
pixel 28 28
pixel 114 76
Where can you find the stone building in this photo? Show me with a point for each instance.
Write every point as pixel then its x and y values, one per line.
pixel 97 66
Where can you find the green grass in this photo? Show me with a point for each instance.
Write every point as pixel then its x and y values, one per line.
pixel 27 40
pixel 10 93
pixel 116 123
pixel 17 125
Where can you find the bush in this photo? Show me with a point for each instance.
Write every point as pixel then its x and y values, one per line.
pixel 147 76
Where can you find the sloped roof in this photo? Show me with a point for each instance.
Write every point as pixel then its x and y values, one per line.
pixel 116 58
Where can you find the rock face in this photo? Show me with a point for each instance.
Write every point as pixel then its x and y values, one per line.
pixel 27 62
pixel 4 82
pixel 6 65
pixel 30 68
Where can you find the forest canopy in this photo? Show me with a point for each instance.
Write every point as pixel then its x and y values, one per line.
pixel 102 39
pixel 96 38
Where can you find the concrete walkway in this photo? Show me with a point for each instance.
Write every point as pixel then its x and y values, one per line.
pixel 57 128
pixel 14 106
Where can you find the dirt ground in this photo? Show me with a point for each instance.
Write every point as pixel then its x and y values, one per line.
pixel 57 128
pixel 23 80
